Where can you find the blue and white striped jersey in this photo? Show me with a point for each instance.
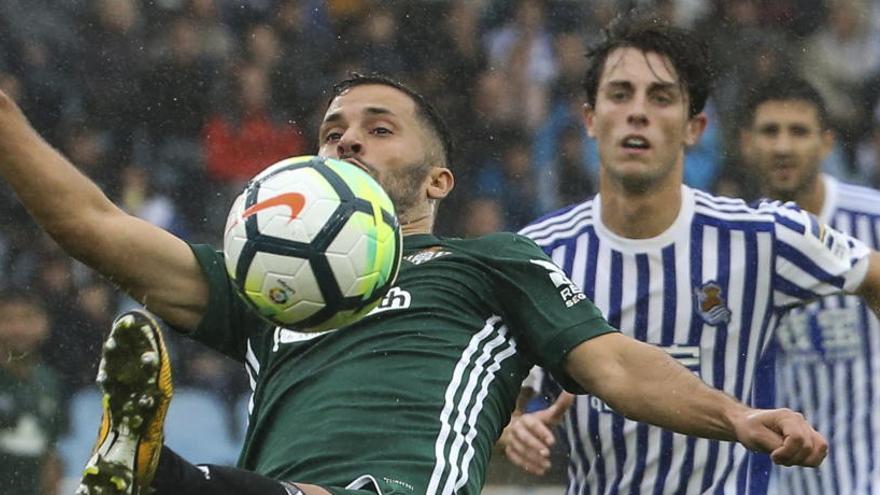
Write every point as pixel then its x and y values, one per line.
pixel 709 290
pixel 828 366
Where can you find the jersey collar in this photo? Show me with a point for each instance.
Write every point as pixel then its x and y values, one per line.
pixel 678 230
pixel 420 241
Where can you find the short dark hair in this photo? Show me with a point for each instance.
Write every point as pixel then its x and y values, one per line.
pixel 784 87
pixel 689 55
pixel 426 111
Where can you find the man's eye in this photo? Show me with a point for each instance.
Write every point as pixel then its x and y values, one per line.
pixel 381 130
pixel 663 99
pixel 618 95
pixel 333 136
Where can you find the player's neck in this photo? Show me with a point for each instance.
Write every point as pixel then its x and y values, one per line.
pixel 812 198
pixel 416 222
pixel 640 216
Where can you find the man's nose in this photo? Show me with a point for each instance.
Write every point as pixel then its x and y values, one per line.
pixel 349 145
pixel 637 115
pixel 782 143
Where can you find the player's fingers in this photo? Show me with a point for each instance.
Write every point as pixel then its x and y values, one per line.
pixel 530 436
pixel 535 426
pixel 818 452
pixel 526 463
pixel 556 411
pixel 797 442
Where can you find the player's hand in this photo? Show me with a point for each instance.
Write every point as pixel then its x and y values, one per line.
pixel 528 438
pixel 783 433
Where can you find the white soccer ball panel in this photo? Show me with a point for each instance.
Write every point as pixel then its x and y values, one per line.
pixel 232 247
pixel 275 263
pixel 234 236
pixel 343 271
pixel 304 188
pixel 317 214
pixel 356 241
pixel 281 226
pixel 299 311
pixel 284 280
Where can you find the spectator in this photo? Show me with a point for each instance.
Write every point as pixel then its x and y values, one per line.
pixel 78 332
pixel 241 142
pixel 843 61
pixel 138 197
pixel 523 49
pixel 305 39
pixel 510 179
pixel 214 37
pixel 30 418
pixel 114 47
pixel 179 83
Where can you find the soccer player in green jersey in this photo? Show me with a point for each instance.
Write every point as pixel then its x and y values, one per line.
pixel 410 399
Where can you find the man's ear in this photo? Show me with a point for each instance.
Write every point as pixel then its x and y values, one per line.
pixel 588 119
pixel 827 142
pixel 440 182
pixel 695 128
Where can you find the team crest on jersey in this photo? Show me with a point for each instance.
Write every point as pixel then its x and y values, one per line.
pixel 426 255
pixel 711 304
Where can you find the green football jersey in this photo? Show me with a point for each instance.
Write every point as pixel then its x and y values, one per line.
pixel 412 397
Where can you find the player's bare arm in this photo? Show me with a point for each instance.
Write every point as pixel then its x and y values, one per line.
pixel 645 384
pixel 153 266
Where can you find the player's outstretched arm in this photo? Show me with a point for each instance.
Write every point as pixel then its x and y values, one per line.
pixel 149 263
pixel 645 384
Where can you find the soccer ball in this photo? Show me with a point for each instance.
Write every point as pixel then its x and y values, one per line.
pixel 312 243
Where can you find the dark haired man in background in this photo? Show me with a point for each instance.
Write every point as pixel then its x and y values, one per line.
pixel 704 278
pixel 827 353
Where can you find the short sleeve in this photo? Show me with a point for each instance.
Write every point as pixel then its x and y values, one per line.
pixel 813 260
pixel 547 312
pixel 228 322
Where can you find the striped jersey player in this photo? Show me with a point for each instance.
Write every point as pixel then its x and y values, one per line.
pixel 828 364
pixel 709 290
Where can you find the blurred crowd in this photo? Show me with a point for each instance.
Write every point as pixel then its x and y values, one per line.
pixel 171 105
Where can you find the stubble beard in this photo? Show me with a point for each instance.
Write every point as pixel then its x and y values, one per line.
pixel 794 192
pixel 404 190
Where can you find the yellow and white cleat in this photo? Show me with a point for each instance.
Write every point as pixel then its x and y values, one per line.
pixel 135 376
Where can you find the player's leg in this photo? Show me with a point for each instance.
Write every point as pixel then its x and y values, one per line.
pixel 177 476
pixel 129 457
pixel 135 377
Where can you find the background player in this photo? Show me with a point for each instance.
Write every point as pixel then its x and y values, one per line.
pixel 827 352
pixel 702 277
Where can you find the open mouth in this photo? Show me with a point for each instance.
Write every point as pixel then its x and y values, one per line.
pixel 635 143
